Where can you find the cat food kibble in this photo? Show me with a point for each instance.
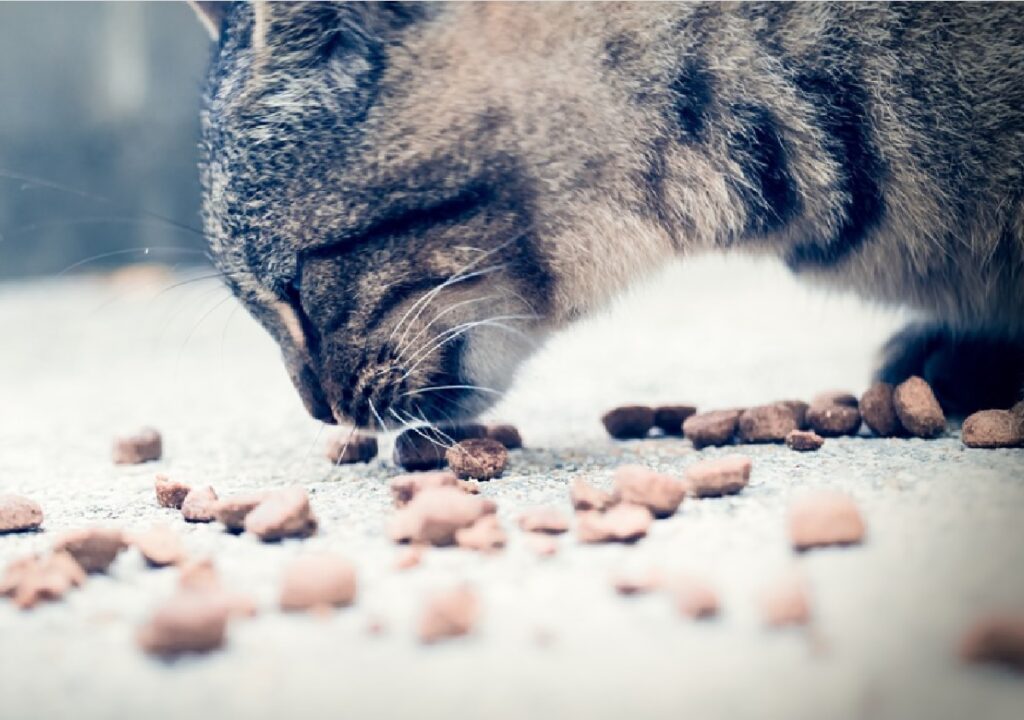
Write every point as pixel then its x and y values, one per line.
pixel 480 458
pixel 628 422
pixel 405 487
pixel 917 409
pixel 31 580
pixel 141 447
pixel 804 440
pixel 694 598
pixel 659 493
pixel 170 493
pixel 992 429
pixel 433 516
pixel 670 418
pixel 766 423
pixel 832 419
pixel 824 518
pixel 160 546
pixel 721 476
pixel 587 497
pixel 199 505
pixel 351 447
pixel 188 622
pixel 544 520
pixel 623 522
pixel 232 510
pixel 786 602
pixel 18 514
pixel 507 435
pixel 485 535
pixel 878 410
pixel 318 580
pixel 637 582
pixel 799 409
pixel 93 548
pixel 283 513
pixel 996 639
pixel 449 614
pixel 423 448
pixel 711 428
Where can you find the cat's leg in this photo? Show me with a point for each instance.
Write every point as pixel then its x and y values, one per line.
pixel 968 372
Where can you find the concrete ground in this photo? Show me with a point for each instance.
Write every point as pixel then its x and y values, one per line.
pixel 84 359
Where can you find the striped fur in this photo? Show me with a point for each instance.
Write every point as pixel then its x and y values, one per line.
pixel 355 157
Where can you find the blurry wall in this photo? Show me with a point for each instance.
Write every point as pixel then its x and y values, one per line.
pixel 103 98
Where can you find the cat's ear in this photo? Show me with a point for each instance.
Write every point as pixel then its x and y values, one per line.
pixel 211 15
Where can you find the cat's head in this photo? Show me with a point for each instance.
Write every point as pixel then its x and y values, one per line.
pixel 404 195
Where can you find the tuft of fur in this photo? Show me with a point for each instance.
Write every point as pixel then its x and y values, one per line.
pixel 411 196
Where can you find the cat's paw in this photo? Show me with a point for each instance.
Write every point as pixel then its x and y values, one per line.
pixel 968 372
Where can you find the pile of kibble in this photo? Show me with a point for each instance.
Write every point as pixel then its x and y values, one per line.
pixel 439 504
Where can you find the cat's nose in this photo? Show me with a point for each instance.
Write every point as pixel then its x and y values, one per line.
pixel 311 391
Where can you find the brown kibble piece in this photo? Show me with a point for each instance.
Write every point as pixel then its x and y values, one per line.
pixel 485 535
pixel 637 582
pixel 232 510
pixel 160 546
pixel 351 447
pixel 996 639
pixel 621 523
pixel 188 622
pixel 15 571
pixel 405 487
pixel 711 428
pixel 409 557
pixel 18 514
pixel 94 548
pixel 170 493
pixel 433 516
pixel 824 518
pixel 507 435
pixel 878 410
pixel 199 505
pixel 199 575
pixel 799 409
pixel 766 423
pixel 833 419
pixel 480 458
pixel 540 544
pixel 804 440
pixel 316 581
pixel 423 448
pixel 548 520
pixel 587 497
pixel 918 410
pixel 992 429
pixel 628 422
pixel 31 580
pixel 786 602
pixel 449 614
pixel 141 447
pixel 670 418
pixel 283 513
pixel 721 476
pixel 694 598
pixel 659 493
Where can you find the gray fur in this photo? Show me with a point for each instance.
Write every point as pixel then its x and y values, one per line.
pixel 356 156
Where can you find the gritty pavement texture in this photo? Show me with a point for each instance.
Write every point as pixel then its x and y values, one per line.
pixel 85 359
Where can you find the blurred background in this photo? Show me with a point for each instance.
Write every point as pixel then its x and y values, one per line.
pixel 101 100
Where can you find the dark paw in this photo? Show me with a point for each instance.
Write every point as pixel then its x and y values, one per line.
pixel 967 372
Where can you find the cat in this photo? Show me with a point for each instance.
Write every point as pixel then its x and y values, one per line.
pixel 411 196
